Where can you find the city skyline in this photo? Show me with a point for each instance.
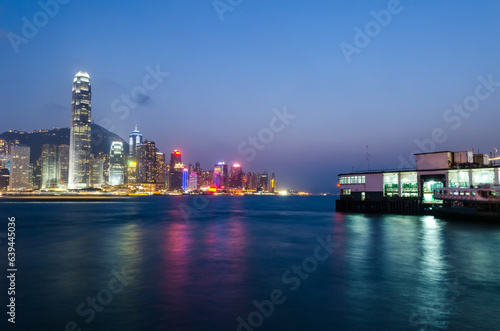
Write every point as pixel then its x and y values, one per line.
pixel 204 85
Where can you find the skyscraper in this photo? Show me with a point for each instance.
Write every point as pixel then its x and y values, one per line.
pixel 221 175
pixel 20 178
pixel 134 140
pixel 79 155
pixel 63 166
pixel 146 154
pixel 274 184
pixel 176 170
pixel 264 182
pixel 193 181
pixel 161 170
pixel 96 174
pixel 175 158
pixel 236 178
pixel 116 164
pixel 49 166
pixel 185 179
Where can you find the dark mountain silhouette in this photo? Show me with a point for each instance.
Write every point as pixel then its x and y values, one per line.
pixel 100 142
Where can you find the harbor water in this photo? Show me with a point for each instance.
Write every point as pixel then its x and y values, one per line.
pixel 246 263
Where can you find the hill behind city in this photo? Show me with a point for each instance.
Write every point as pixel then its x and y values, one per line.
pixel 100 142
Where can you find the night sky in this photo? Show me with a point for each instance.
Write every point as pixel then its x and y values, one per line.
pixel 393 86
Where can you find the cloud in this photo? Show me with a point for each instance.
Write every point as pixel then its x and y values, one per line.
pixel 142 99
pixel 53 108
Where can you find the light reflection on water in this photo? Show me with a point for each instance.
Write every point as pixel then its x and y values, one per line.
pixel 201 273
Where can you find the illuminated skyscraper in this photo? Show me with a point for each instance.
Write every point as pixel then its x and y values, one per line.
pixel 96 172
pixel 185 179
pixel 161 170
pixel 221 176
pixel 264 182
pixel 63 166
pixel 20 178
pixel 176 171
pixel 135 139
pixel 116 164
pixel 236 178
pixel 146 155
pixel 53 167
pixel 79 155
pixel 49 166
pixel 193 181
pixel 175 158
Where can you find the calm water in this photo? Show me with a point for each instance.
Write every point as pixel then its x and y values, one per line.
pixel 186 263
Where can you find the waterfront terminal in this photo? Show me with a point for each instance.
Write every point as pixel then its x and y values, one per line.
pixel 443 183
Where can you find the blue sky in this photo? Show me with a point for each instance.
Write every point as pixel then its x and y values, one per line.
pixel 226 77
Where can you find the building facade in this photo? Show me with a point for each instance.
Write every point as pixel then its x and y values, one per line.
pixel 161 170
pixel 175 176
pixel 146 165
pixel 79 156
pixel 135 139
pixel 221 175
pixel 20 175
pixel 434 170
pixel 116 164
pixel 236 176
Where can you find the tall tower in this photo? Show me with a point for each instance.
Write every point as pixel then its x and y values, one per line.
pixel 221 176
pixel 236 176
pixel 20 168
pixel 135 139
pixel 79 154
pixel 176 171
pixel 146 163
pixel 116 164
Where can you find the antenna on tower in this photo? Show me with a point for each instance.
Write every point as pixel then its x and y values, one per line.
pixel 367 161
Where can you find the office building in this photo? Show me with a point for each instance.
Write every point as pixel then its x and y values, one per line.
pixel 116 164
pixel 175 176
pixel 221 176
pixel 274 184
pixel 79 155
pixel 146 157
pixel 96 175
pixel 264 182
pixel 135 140
pixel 20 178
pixel 50 166
pixel 193 181
pixel 161 170
pixel 185 179
pixel 236 177
pixel 63 164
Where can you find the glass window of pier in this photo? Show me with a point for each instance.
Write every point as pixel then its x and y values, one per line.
pixel 409 184
pixel 483 177
pixel 391 185
pixel 458 178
